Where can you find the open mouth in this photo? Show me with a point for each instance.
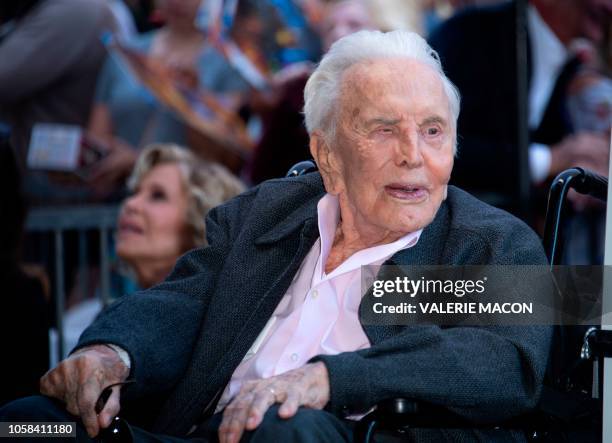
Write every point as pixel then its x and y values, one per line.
pixel 129 228
pixel 406 192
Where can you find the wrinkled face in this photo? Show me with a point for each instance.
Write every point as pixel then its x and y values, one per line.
pixel 344 18
pixel 392 154
pixel 152 223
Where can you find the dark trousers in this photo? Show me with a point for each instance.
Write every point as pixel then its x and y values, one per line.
pixel 307 426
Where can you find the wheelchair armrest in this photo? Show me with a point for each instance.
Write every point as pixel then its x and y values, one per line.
pixel 403 413
pixel 414 413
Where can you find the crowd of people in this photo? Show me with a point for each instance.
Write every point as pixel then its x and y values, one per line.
pixel 82 80
pixel 181 105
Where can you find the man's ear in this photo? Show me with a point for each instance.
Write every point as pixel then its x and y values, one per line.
pixel 326 162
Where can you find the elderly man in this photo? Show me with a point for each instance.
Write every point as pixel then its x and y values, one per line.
pixel 257 338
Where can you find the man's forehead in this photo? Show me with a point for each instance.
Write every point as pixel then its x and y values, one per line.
pixel 372 83
pixel 394 69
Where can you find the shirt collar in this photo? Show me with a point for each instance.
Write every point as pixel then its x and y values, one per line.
pixel 328 213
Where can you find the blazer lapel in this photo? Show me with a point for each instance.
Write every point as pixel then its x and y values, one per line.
pixel 428 251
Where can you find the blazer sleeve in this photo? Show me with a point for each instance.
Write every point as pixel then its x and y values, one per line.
pixel 482 373
pixel 158 327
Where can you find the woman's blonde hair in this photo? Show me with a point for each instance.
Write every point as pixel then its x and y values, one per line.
pixel 207 184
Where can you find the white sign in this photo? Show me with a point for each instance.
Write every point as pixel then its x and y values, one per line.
pixel 55 147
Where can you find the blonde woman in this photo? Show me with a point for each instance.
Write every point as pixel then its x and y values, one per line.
pixel 172 191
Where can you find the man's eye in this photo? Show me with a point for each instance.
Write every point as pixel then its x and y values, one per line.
pixel 385 131
pixel 433 131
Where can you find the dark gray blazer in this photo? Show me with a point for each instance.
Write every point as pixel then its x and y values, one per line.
pixel 187 335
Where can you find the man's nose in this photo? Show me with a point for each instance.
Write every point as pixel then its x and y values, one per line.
pixel 409 150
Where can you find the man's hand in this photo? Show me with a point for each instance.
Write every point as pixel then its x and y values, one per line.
pixel 587 150
pixel 78 381
pixel 306 386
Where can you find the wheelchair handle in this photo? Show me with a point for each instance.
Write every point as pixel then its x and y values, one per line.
pixel 584 182
pixel 590 183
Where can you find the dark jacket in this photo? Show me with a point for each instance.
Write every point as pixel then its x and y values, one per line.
pixel 187 335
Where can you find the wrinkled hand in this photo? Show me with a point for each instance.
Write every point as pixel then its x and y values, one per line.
pixel 79 380
pixel 587 150
pixel 113 168
pixel 306 386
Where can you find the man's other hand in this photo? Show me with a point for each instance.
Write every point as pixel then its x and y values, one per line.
pixel 584 149
pixel 80 379
pixel 306 386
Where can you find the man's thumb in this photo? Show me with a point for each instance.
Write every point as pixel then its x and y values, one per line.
pixel 111 409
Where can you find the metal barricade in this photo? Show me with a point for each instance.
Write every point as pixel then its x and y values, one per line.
pixel 59 220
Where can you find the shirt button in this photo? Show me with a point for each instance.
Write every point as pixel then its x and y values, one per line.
pixel 294 357
pixel 315 293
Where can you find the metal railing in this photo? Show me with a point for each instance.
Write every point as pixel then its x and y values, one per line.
pixel 59 220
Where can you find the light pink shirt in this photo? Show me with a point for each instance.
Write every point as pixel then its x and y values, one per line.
pixel 319 312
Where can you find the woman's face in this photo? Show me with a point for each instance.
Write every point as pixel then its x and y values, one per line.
pixel 152 225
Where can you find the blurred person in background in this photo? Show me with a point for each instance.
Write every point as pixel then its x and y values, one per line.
pixel 51 54
pixel 436 11
pixel 247 32
pixel 23 305
pixel 589 94
pixel 397 14
pixel 589 106
pixel 126 27
pixel 284 140
pixel 172 191
pixel 144 15
pixel 343 17
pixel 478 49
pixel 125 115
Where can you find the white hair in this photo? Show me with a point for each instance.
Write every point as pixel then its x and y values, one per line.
pixel 323 86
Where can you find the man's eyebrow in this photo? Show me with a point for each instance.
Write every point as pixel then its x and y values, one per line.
pixel 434 119
pixel 382 121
